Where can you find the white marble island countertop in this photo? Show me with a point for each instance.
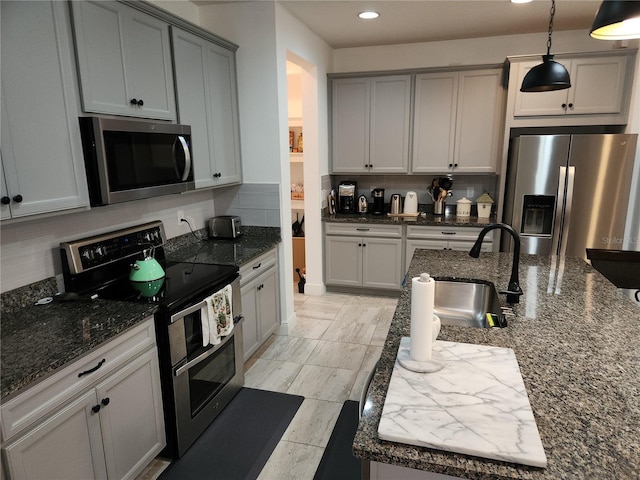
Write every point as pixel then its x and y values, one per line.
pixel 576 340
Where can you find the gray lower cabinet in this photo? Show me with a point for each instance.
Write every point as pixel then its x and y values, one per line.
pixel 361 255
pixel 106 424
pixel 42 159
pixel 443 238
pixel 124 60
pixel 206 91
pixel 260 300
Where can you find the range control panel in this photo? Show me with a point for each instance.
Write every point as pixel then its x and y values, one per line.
pixel 99 250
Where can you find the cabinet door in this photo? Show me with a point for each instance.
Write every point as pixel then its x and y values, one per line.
pixel 597 85
pixel 250 332
pixel 412 245
pixel 478 121
pixel 343 261
pixel 350 125
pixel 539 103
pixel 67 446
pixel 5 210
pixel 123 55
pixel 131 416
pixel 148 63
pixel 434 122
pixel 189 52
pixel 224 125
pixel 268 311
pixel 381 263
pixel 41 146
pixel 389 124
pixel 208 101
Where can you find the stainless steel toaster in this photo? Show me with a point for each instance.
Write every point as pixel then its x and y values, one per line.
pixel 225 226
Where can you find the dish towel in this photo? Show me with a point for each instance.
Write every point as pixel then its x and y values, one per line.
pixel 217 316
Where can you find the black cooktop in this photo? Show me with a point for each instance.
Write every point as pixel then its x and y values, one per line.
pixel 182 282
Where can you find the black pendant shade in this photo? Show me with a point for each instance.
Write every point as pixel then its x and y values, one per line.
pixel 617 20
pixel 547 76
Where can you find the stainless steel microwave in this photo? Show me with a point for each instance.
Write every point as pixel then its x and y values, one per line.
pixel 130 159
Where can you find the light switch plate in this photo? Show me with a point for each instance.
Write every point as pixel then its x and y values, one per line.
pixel 470 192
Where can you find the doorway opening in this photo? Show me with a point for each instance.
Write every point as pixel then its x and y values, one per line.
pixel 296 163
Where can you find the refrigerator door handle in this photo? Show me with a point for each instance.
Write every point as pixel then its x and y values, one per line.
pixel 566 222
pixel 557 223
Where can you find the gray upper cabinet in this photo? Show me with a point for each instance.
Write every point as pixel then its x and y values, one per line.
pixel 124 61
pixel 457 121
pixel 597 87
pixel 41 148
pixel 207 97
pixel 371 124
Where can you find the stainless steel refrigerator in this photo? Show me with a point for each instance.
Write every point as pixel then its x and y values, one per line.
pixel 567 193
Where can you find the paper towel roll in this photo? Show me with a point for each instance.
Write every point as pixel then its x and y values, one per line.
pixel 422 298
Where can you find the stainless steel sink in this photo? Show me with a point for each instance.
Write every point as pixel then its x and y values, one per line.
pixel 465 303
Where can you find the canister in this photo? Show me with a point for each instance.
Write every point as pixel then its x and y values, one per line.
pixel 463 207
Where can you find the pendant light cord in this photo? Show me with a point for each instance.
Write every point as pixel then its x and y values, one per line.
pixel 553 12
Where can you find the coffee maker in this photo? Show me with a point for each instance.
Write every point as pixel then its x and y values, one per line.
pixel 378 201
pixel 347 190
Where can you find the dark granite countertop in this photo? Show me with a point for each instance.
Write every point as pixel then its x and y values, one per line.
pixel 576 341
pixel 425 220
pixel 253 242
pixel 35 340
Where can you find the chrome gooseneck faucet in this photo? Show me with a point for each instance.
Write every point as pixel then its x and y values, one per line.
pixel 514 291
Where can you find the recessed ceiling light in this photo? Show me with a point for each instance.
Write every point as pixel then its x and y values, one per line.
pixel 520 1
pixel 368 15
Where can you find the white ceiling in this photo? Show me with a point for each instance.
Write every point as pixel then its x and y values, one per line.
pixel 413 21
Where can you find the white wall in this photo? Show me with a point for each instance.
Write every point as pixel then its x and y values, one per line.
pixel 475 51
pixel 266 34
pixel 30 249
pixel 251 25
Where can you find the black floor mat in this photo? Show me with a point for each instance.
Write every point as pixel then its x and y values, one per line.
pixel 338 462
pixel 241 439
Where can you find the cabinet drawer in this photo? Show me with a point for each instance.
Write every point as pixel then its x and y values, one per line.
pixel 258 266
pixel 447 233
pixel 364 230
pixel 40 400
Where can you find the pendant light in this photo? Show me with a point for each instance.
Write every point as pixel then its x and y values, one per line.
pixel 617 20
pixel 549 75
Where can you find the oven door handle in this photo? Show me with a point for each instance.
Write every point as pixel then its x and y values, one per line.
pixel 200 358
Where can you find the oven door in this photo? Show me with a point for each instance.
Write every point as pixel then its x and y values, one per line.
pixel 204 379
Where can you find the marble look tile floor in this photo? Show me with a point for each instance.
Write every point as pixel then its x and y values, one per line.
pixel 326 358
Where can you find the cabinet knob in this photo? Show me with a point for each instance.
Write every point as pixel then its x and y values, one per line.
pixel 95 408
pixel 137 102
pixel 455 165
pixel 217 175
pixel 140 103
pixel 451 165
pixel 570 105
pixel 17 198
pixel 5 200
pixel 105 401
pixel 564 106
pixel 364 244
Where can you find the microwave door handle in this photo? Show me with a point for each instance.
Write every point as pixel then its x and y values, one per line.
pixel 187 157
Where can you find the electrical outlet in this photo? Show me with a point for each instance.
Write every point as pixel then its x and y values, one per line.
pixel 180 215
pixel 470 192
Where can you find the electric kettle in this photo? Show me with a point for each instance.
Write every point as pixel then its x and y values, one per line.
pixel 396 204
pixel 146 270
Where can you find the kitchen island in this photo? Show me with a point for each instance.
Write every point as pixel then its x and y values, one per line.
pixel 576 341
